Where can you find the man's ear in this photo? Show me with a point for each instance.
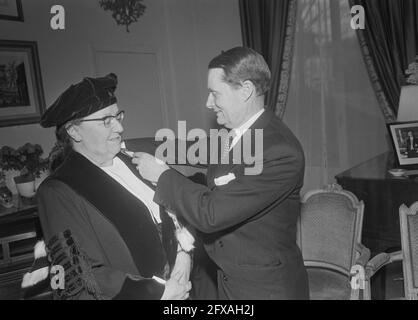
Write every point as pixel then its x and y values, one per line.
pixel 247 89
pixel 73 133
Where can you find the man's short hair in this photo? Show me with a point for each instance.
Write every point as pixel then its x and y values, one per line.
pixel 240 64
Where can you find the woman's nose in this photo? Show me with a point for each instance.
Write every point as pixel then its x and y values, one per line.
pixel 117 125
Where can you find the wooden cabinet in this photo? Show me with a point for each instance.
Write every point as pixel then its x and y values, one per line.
pixel 382 194
pixel 19 231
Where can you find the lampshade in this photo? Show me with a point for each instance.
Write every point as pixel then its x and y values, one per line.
pixel 408 104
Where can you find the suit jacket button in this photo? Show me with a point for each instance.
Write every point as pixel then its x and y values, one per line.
pixel 225 278
pixel 221 244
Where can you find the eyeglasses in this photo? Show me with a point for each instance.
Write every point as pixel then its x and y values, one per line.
pixel 107 121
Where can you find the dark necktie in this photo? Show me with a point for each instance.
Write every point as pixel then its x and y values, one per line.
pixel 228 143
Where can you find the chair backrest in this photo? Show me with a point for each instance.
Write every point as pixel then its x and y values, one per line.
pixel 409 238
pixel 330 227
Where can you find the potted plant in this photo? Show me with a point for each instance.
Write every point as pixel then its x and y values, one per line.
pixel 10 166
pixel 5 193
pixel 27 161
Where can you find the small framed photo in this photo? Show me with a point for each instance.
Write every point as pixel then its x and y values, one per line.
pixel 11 10
pixel 404 137
pixel 21 91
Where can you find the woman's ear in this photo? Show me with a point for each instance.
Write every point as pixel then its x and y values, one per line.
pixel 247 89
pixel 74 133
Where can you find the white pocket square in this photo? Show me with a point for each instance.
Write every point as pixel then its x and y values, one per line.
pixel 220 181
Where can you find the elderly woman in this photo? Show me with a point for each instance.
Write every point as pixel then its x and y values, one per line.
pixel 98 215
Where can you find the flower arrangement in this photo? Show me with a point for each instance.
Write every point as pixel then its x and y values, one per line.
pixel 412 72
pixel 26 159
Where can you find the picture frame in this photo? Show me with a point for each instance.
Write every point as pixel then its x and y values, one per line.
pixel 404 136
pixel 11 10
pixel 21 90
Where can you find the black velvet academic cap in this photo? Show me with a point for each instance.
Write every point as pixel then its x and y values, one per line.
pixel 80 100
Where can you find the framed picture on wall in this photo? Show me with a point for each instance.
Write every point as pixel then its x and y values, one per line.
pixel 21 90
pixel 405 142
pixel 11 10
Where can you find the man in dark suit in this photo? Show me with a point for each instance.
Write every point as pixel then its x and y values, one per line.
pixel 248 218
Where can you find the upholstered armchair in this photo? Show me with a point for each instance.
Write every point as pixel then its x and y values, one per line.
pixel 408 218
pixel 329 236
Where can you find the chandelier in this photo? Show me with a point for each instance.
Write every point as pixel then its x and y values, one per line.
pixel 124 12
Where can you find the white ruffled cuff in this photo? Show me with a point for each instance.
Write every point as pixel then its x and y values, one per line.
pixel 184 237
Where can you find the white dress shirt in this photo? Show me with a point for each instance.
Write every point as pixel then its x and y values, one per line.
pixel 239 132
pixel 122 174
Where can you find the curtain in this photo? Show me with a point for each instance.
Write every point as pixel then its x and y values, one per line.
pixel 331 106
pixel 268 27
pixel 389 43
